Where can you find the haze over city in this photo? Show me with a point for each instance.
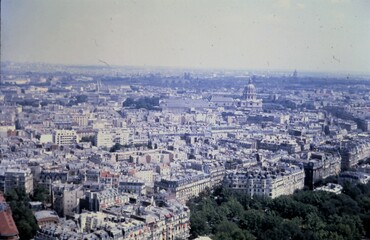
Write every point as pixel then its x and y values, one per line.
pixel 330 35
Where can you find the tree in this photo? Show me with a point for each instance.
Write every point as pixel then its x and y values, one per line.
pixel 150 103
pixel 228 230
pixel 199 225
pixel 233 209
pixel 23 217
pixel 81 98
pixel 41 194
pixel 224 214
pixel 115 147
pixel 78 99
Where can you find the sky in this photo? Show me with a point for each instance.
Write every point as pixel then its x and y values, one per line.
pixel 313 35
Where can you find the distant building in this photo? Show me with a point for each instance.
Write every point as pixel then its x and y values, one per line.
pixel 66 198
pixel 348 125
pixel 274 143
pixel 354 151
pixel 180 105
pixel 185 186
pixel 249 100
pixel 80 120
pixel 132 185
pixel 354 177
pixel 331 187
pixel 46 138
pixel 104 139
pixel 215 169
pixel 96 201
pixel 47 177
pixel 321 166
pixel 318 166
pixel 65 137
pixel 109 137
pixel 266 183
pixel 221 101
pixel 137 221
pixel 295 75
pixel 365 125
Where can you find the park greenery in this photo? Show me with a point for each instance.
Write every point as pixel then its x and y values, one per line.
pixel 77 99
pixel 223 214
pixel 150 103
pixel 116 147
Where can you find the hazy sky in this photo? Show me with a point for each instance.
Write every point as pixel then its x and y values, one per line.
pixel 318 35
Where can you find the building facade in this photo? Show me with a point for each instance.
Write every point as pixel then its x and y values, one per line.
pixel 65 137
pixel 249 101
pixel 184 187
pixel 269 183
pixel 16 178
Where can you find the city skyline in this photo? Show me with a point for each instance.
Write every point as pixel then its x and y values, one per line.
pixel 272 35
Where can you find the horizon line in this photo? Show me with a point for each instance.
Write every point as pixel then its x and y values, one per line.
pixel 106 65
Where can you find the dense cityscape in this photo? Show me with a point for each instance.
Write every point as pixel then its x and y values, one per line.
pixel 118 153
pixel 184 120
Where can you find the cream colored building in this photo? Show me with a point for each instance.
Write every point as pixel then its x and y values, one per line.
pixel 46 138
pixel 66 198
pixel 65 137
pixel 147 176
pixel 269 183
pixel 185 185
pixel 80 120
pixel 249 99
pixel 109 137
pixel 5 128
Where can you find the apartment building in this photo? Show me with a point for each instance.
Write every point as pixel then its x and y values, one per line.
pixel 266 183
pixel 185 185
pixel 109 137
pixel 66 198
pixel 65 137
pixel 16 178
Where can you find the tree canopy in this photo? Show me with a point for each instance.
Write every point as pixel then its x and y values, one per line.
pixel 150 103
pixel 23 217
pixel 223 214
pixel 41 194
pixel 78 99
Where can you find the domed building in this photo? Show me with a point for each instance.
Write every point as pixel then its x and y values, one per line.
pixel 249 99
pixel 249 92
